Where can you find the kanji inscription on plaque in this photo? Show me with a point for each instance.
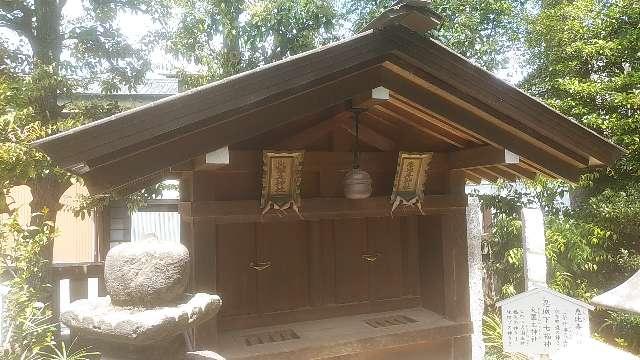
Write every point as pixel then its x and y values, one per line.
pixel 543 321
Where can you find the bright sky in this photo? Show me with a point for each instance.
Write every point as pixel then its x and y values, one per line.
pixel 135 26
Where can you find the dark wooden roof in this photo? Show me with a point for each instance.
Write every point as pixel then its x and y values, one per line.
pixel 431 86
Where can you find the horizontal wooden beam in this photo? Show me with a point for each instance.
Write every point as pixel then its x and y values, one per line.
pixel 480 157
pixel 76 270
pixel 242 211
pixel 248 160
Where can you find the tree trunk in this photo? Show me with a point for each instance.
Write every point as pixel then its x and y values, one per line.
pixel 46 48
pixel 46 194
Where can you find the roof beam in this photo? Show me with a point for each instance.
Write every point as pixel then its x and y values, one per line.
pixel 368 135
pixel 504 174
pixel 489 114
pixel 520 171
pixel 484 174
pixel 419 121
pixel 312 134
pixel 484 90
pixel 480 157
pixel 472 177
pixel 422 94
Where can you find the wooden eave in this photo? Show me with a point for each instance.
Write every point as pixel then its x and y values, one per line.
pixel 433 90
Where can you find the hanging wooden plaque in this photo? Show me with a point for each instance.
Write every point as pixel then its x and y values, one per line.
pixel 281 181
pixel 408 186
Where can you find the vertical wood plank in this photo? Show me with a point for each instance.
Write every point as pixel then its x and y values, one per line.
pixel 284 285
pixel 412 252
pixel 204 277
pixel 329 256
pixel 455 256
pixel 102 222
pixel 316 283
pixel 352 273
pixel 55 304
pixel 236 282
pixel 102 289
pixel 432 270
pixel 462 348
pixel 387 237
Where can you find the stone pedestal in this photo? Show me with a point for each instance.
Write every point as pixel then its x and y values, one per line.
pixel 168 349
pixel 146 313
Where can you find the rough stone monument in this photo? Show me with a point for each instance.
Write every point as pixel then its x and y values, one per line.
pixel 146 312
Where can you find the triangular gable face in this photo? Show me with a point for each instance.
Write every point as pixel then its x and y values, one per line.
pixel 438 101
pixel 539 293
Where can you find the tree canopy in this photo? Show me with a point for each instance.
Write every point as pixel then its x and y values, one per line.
pixel 582 57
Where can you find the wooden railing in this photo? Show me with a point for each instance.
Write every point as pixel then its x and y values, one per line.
pixel 78 275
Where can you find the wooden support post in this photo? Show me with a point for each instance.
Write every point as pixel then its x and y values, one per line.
pixel 456 267
pixel 462 348
pixel 455 257
pixel 78 289
pixel 102 227
pixel 55 304
pixel 102 289
pixel 203 257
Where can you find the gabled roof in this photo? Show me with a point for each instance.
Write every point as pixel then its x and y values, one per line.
pixel 142 143
pixel 150 87
pixel 624 297
pixel 547 291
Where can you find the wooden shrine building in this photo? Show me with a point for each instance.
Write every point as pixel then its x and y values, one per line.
pixel 340 277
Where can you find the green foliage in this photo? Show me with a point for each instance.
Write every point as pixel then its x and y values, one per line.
pixel 588 249
pixel 62 353
pixel 583 57
pixel 21 254
pixel 29 320
pixel 584 61
pixel 492 333
pixel 225 37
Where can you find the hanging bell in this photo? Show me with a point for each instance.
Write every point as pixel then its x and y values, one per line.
pixel 357 184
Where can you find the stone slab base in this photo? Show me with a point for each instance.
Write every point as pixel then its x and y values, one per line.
pixel 168 349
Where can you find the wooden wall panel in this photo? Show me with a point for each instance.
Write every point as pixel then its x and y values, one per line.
pixel 285 284
pixel 236 281
pixel 351 272
pixel 412 256
pixel 431 265
pixel 386 239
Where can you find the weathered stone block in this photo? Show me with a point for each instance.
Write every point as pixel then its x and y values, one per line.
pixel 146 273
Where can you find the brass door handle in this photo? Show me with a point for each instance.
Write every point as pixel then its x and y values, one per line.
pixel 260 265
pixel 370 257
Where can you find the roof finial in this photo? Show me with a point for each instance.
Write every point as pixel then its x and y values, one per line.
pixel 415 15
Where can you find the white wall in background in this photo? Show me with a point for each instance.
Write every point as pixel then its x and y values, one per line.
pixel 163 225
